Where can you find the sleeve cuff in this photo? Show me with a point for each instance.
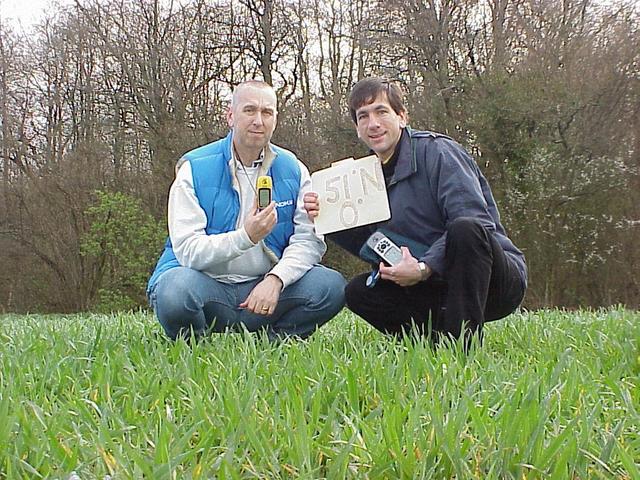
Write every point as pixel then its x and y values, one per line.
pixel 277 272
pixel 433 264
pixel 245 242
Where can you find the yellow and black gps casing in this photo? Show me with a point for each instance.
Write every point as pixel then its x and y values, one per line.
pixel 263 190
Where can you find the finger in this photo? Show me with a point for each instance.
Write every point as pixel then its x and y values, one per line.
pixel 384 268
pixel 268 210
pixel 406 254
pixel 312 212
pixel 386 273
pixel 248 303
pixel 390 278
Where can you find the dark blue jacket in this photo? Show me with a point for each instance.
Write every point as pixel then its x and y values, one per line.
pixel 435 181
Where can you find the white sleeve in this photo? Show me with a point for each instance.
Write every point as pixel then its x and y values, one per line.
pixel 305 248
pixel 187 222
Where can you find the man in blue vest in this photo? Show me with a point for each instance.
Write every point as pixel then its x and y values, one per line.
pixel 229 265
pixel 466 271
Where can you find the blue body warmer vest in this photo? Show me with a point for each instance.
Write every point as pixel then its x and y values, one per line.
pixel 212 182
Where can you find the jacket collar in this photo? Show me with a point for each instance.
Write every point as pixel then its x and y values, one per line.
pixel 406 165
pixel 269 152
pixel 268 158
pixel 227 143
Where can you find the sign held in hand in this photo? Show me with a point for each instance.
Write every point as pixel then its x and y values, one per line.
pixel 351 193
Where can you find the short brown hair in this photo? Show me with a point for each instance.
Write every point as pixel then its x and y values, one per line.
pixel 368 89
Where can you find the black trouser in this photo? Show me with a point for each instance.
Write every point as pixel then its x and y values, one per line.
pixel 480 284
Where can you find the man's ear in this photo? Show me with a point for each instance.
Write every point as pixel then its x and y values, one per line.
pixel 403 119
pixel 230 117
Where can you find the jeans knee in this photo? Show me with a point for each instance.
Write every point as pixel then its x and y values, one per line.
pixel 173 291
pixel 330 292
pixel 320 290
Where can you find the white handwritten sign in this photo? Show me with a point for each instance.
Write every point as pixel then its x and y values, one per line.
pixel 351 193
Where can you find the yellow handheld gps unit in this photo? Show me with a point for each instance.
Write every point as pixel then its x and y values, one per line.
pixel 264 187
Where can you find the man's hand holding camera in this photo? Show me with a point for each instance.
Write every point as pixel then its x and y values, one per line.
pixel 407 272
pixel 259 223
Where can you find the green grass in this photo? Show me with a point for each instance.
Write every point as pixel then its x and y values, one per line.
pixel 549 395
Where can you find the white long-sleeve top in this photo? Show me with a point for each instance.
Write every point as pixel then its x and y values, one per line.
pixel 232 257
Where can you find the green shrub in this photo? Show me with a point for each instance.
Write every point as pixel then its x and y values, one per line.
pixel 122 244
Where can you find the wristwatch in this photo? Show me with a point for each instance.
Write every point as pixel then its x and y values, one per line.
pixel 423 270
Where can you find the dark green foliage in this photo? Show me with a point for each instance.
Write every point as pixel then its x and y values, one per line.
pixel 123 241
pixel 556 180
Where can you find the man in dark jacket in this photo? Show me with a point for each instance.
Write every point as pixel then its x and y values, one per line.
pixel 469 272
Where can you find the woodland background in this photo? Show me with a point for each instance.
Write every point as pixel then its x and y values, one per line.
pixel 99 101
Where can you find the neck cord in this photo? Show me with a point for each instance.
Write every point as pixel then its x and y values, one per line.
pixel 244 169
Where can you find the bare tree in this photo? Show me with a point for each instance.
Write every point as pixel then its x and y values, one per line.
pixel 106 95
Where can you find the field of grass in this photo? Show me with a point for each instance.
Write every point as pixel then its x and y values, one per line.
pixel 549 395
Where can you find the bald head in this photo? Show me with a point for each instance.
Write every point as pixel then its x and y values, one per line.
pixel 243 87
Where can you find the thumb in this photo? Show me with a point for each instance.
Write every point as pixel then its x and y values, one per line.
pixel 406 253
pixel 254 208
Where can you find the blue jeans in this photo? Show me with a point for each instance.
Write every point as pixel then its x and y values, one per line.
pixel 188 300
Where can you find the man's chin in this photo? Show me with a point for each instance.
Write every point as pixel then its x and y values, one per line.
pixel 378 149
pixel 377 145
pixel 259 142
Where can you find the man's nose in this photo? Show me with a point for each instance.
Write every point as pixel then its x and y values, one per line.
pixel 257 119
